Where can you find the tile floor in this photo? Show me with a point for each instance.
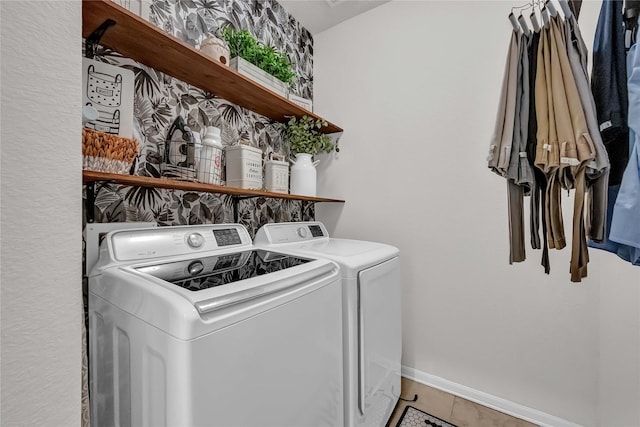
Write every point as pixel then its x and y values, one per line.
pixel 450 408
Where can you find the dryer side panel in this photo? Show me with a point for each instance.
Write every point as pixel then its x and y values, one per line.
pixel 379 342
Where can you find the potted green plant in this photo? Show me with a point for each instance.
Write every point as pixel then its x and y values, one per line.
pixel 303 136
pixel 304 140
pixel 257 61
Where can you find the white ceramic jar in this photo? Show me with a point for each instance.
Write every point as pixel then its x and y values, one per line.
pixel 276 176
pixel 216 49
pixel 303 175
pixel 210 161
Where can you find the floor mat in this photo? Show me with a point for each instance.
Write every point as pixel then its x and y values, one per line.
pixel 412 417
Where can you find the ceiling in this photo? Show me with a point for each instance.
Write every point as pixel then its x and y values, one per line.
pixel 318 15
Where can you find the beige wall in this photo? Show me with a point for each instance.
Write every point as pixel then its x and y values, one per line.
pixel 40 194
pixel 415 85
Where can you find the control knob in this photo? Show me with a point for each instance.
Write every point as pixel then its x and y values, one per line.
pixel 195 240
pixel 195 267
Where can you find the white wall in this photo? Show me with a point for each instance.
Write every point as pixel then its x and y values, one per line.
pixel 415 85
pixel 40 208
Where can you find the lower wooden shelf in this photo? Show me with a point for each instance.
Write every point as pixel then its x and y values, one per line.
pixel 144 181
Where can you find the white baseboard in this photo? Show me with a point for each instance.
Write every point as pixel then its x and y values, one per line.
pixel 485 399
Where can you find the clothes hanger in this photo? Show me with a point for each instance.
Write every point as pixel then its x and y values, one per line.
pixel 551 8
pixel 523 25
pixel 566 9
pixel 631 12
pixel 534 22
pixel 514 22
pixel 544 13
pixel 520 23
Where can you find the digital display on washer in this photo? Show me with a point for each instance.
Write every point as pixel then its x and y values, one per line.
pixel 227 236
pixel 209 272
pixel 316 231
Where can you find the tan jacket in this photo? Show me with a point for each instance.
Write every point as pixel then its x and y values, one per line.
pixel 575 153
pixel 597 172
pixel 502 139
pixel 547 150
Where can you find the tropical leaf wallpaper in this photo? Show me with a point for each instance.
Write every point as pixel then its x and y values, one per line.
pixel 159 99
pixel 193 20
pixel 120 203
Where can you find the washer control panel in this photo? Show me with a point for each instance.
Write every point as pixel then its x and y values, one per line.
pixel 129 245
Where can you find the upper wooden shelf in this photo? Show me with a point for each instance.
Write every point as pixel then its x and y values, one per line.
pixel 142 41
pixel 144 181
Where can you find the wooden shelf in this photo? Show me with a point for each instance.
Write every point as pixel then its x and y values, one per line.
pixel 143 181
pixel 142 41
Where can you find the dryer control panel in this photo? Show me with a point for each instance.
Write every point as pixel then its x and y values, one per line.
pixel 143 244
pixel 291 232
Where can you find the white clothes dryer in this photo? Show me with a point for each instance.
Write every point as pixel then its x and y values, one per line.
pixel 371 313
pixel 193 326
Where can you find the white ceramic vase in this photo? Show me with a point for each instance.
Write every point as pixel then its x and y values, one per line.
pixel 303 175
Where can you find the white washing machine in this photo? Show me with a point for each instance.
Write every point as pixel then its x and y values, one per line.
pixel 371 313
pixel 193 326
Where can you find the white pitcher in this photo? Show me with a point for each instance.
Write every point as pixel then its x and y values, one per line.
pixel 303 175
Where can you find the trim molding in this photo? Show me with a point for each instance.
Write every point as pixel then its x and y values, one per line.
pixel 499 404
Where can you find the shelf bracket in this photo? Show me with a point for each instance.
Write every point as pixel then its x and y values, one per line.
pixel 90 202
pixel 94 38
pixel 236 200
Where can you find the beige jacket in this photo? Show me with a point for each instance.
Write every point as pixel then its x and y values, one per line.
pixel 502 139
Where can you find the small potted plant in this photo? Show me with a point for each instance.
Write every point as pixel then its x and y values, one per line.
pixel 259 62
pixel 304 139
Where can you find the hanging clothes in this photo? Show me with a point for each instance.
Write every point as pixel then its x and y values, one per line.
pixel 519 175
pixel 625 224
pixel 609 86
pixel 519 170
pixel 597 171
pixel 551 141
pixel 612 92
pixel 500 147
pixel 576 146
pixel 539 185
pixel 548 148
pixel 575 6
pixel 508 128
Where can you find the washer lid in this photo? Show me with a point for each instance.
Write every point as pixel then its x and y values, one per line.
pixel 191 311
pixel 211 271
